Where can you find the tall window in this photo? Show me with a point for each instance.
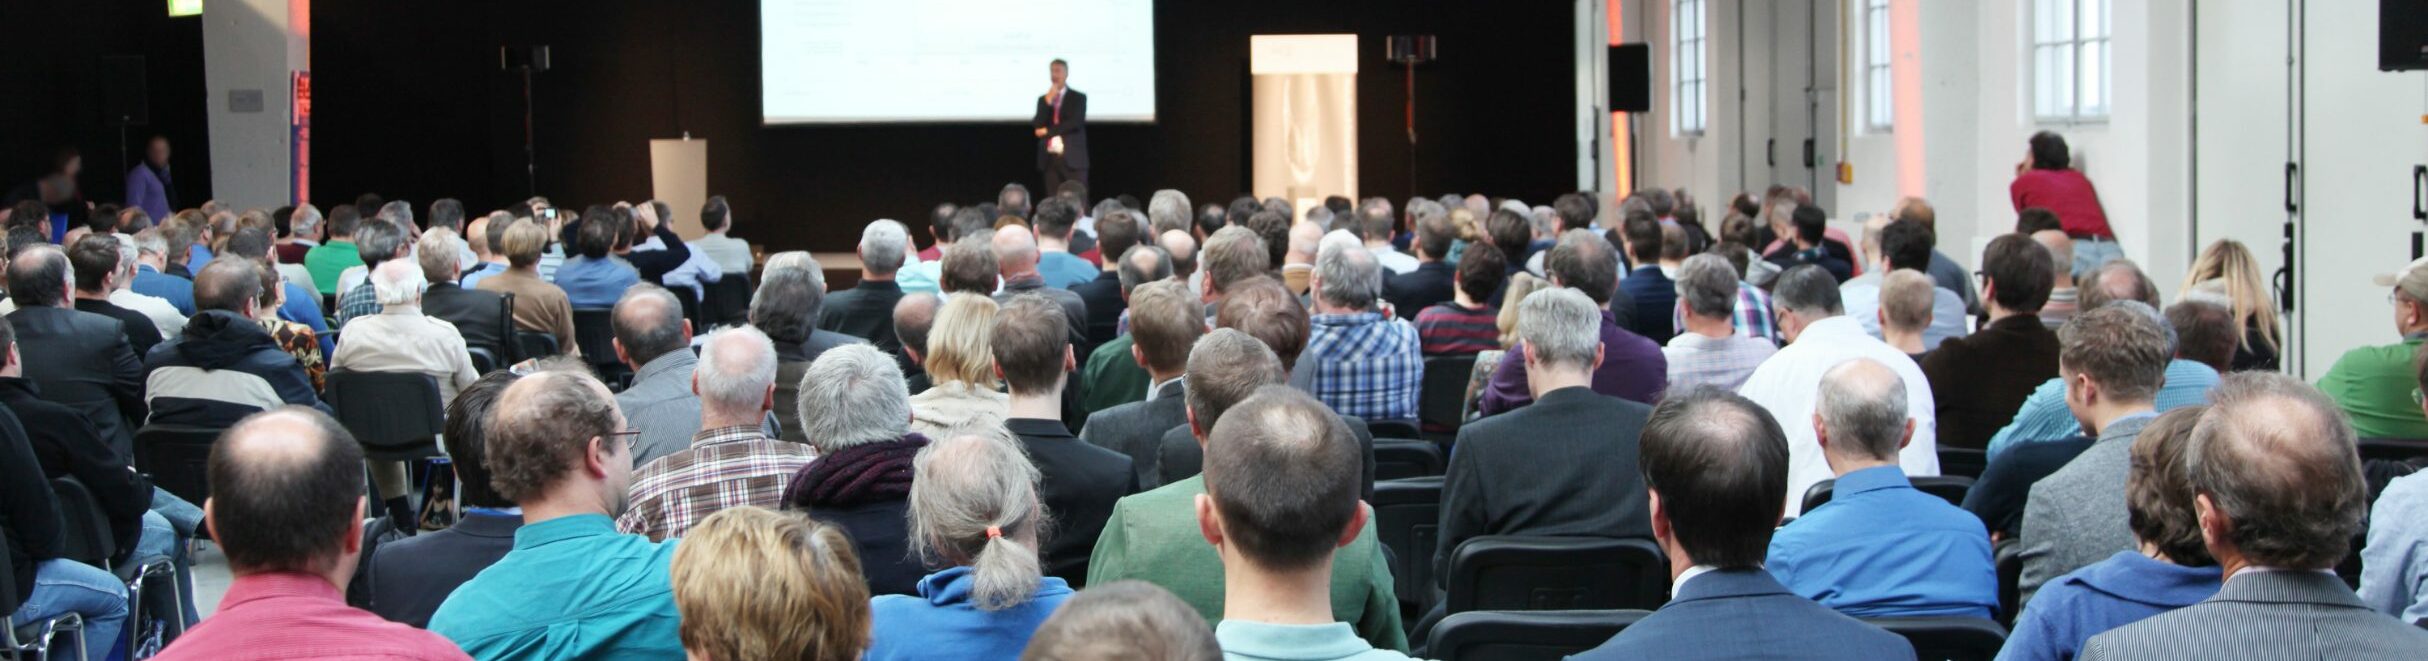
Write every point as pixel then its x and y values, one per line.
pixel 2070 57
pixel 1686 61
pixel 1879 105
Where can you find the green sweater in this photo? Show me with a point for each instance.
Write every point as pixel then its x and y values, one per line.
pixel 2374 387
pixel 1112 377
pixel 1153 537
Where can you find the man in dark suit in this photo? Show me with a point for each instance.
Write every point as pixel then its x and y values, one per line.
pixel 480 316
pixel 1563 467
pixel 98 272
pixel 867 311
pixel 1078 482
pixel 2280 497
pixel 1165 321
pixel 1656 296
pixel 1433 280
pixel 405 580
pixel 1116 232
pixel 1062 131
pixel 79 359
pixel 66 446
pixel 1716 464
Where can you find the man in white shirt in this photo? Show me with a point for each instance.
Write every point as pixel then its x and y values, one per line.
pixel 400 338
pixel 730 254
pixel 162 313
pixel 1377 224
pixel 1821 336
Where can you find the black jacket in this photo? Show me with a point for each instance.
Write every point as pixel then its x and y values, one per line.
pixel 1432 282
pixel 1103 298
pixel 880 532
pixel 792 361
pixel 82 360
pixel 480 316
pixel 1564 466
pixel 29 514
pixel 1073 128
pixel 1998 497
pixel 1079 484
pixel 1979 380
pixel 1136 428
pixel 653 264
pixel 221 368
pixel 66 445
pixel 865 312
pixel 405 580
pixel 141 333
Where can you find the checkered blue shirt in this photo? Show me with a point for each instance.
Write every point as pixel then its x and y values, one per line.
pixel 1366 364
pixel 1752 315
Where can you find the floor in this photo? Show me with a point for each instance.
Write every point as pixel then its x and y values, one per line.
pixel 211 578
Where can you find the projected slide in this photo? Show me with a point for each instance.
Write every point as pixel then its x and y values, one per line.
pixel 860 61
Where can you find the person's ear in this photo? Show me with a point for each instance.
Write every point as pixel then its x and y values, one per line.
pixel 1529 358
pixel 998 371
pixel 1597 356
pixel 1209 523
pixel 1070 359
pixel 1820 432
pixel 1660 515
pixel 354 528
pixel 1357 522
pixel 209 520
pixel 1905 436
pixel 620 355
pixel 2214 527
pixel 597 454
pixel 687 328
pixel 1989 289
pixel 1196 430
pixel 767 402
pixel 695 383
pixel 1140 356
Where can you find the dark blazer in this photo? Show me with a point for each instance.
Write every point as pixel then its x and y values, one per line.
pixel 1980 379
pixel 1430 283
pixel 82 360
pixel 880 532
pixel 1656 297
pixel 1136 428
pixel 480 316
pixel 406 579
pixel 865 312
pixel 29 513
pixel 141 333
pixel 1832 255
pixel 792 360
pixel 1564 466
pixel 1180 457
pixel 653 264
pixel 66 445
pixel 2271 615
pixel 1074 310
pixel 2006 484
pixel 1746 614
pixel 1073 128
pixel 1103 298
pixel 1079 484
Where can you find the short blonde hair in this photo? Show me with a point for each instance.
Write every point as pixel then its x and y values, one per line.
pixel 436 254
pixel 754 583
pixel 958 344
pixel 523 243
pixel 1905 294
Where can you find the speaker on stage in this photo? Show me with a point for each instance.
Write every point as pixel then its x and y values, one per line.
pixel 1630 82
pixel 125 98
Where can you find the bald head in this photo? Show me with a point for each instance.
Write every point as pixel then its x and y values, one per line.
pixel 649 323
pixel 233 285
pixel 2061 253
pixel 736 374
pixel 1861 408
pixel 1304 237
pixel 2277 474
pixel 286 492
pixel 1015 250
pixel 398 282
pixel 913 316
pixel 1182 248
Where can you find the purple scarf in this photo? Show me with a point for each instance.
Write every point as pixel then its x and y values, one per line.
pixel 856 475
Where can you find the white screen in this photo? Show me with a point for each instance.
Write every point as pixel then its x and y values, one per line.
pixel 852 61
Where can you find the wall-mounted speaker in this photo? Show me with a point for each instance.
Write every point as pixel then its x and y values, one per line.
pixel 523 58
pixel 1630 70
pixel 2402 35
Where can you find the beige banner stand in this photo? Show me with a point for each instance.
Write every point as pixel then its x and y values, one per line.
pixel 678 176
pixel 1304 142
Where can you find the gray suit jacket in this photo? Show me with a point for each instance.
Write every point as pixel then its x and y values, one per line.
pixel 2271 615
pixel 2076 516
pixel 1136 429
pixel 660 404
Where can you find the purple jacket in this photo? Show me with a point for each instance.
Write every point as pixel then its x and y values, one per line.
pixel 1632 369
pixel 144 189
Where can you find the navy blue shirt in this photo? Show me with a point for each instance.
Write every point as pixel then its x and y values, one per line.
pixel 1881 548
pixel 1656 297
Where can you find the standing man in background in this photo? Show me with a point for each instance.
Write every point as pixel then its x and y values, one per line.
pixel 1062 131
pixel 148 185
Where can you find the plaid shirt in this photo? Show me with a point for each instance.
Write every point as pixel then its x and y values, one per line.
pixel 1752 315
pixel 1695 360
pixel 1366 364
pixel 361 301
pixel 724 467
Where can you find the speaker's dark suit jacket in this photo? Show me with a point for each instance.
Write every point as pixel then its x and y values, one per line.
pixel 405 580
pixel 480 316
pixel 1746 614
pixel 82 360
pixel 1079 484
pixel 1073 128
pixel 1564 466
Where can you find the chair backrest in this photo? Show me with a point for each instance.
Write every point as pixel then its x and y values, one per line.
pixel 1556 573
pixel 1967 462
pixel 534 344
pixel 1950 488
pixel 1393 428
pixel 2009 555
pixel 594 332
pixel 1525 635
pixel 506 332
pixel 1407 520
pixel 386 409
pixel 484 359
pixel 1397 458
pixel 2394 449
pixel 1947 638
pixel 1445 390
pixel 86 535
pixel 177 458
pixel 727 301
pixel 8 584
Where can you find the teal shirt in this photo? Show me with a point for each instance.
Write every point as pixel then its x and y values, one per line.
pixel 572 588
pixel 2044 417
pixel 1242 640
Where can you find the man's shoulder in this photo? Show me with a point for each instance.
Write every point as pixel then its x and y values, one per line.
pixel 1699 629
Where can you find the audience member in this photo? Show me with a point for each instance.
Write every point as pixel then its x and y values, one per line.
pixel 1434 279
pixel 223 366
pixel 1232 254
pixel 485 234
pixel 294 302
pixel 1298 260
pixel 757 584
pixel 1632 367
pixel 730 254
pixel 165 315
pixel 1879 547
pixel 1164 322
pixel 857 416
pixel 1905 246
pixel 2113 361
pixel 1820 337
pixel 1080 481
pixel 1116 232
pixel 402 339
pixel 79 359
pixel 94 259
pixel 2373 384
pixel 866 311
pixel 1016 259
pixel 561 451
pixel 913 316
pixel 1123 620
pixel 1467 323
pixel 1266 311
pixel 1809 244
pixel 2064 299
pixel 974 510
pixel 1944 271
pixel 1751 315
pixel 2046 179
pixel 654 340
pixel 331 258
pixel 1654 292
pixel 2394 561
pixel 2227 274
pixel 539 305
pixel 731 461
pixel 2044 417
pixel 964 223
pixel 2280 496
pixel 151 272
pixel 1361 361
pixel 1055 264
pixel 286 507
pixel 1182 248
pixel 1905 312
pixel 1978 380
pixel 382 241
pixel 966 393
pixel 2205 333
pixel 1708 351
pixel 1114 376
pixel 405 580
pixel 479 317
pixel 596 276
pixel 1716 467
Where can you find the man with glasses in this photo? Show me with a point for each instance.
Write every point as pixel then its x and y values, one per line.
pixel 560 449
pixel 2374 385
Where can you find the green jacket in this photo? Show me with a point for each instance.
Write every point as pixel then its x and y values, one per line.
pixel 1153 537
pixel 1111 377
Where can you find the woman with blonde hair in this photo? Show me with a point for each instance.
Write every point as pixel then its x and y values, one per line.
pixel 962 367
pixel 753 583
pixel 2227 274
pixel 974 510
pixel 1520 286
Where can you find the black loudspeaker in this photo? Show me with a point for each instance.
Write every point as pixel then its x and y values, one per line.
pixel 523 58
pixel 125 98
pixel 1410 48
pixel 1630 78
pixel 2402 35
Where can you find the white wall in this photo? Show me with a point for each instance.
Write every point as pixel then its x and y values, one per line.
pixel 248 45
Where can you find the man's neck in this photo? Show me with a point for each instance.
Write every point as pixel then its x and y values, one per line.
pixel 349 238
pixel 1717 328
pixel 1029 272
pixel 1300 598
pixel 871 276
pixel 2106 414
pixel 1543 380
pixel 1045 405
pixel 711 418
pixel 572 497
pixel 1842 465
pixel 156 263
pixel 337 575
pixel 1053 245
pixel 1379 244
pixel 1909 342
pixel 1322 307
pixel 83 295
pixel 1155 377
pixel 1998 312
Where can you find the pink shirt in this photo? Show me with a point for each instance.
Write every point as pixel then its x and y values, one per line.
pixel 283 615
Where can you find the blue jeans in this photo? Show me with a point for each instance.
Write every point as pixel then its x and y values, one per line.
pixel 67 586
pixel 161 541
pixel 181 514
pixel 2092 253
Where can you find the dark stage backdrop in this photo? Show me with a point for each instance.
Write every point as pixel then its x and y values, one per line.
pixel 409 102
pixel 51 78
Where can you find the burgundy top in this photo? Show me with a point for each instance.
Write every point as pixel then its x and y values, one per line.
pixel 285 615
pixel 2066 193
pixel 1633 369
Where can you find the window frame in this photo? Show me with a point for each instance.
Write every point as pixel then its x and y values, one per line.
pixel 2072 61
pixel 1879 81
pixel 1689 70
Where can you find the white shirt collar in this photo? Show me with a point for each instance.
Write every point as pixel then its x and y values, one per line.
pixel 1156 388
pixel 1688 575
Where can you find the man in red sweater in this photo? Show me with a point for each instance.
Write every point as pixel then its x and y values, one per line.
pixel 2046 179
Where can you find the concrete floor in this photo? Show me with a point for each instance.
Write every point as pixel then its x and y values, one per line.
pixel 211 578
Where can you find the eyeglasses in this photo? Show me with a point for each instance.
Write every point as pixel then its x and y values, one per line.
pixel 627 435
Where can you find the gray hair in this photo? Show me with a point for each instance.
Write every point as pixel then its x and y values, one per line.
pixel 2276 457
pixel 397 211
pixel 648 321
pixel 786 304
pixel 1169 210
pixel 150 241
pixel 1351 278
pixel 1546 221
pixel 1708 285
pixel 736 366
pixel 305 218
pixel 971 496
pixel 1104 207
pixel 1862 404
pixel 1320 215
pixel 397 282
pixel 1562 327
pixel 379 240
pixel 852 396
pixel 882 246
pixel 1808 290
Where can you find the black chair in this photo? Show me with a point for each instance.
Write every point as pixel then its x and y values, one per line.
pixel 393 415
pixel 34 639
pixel 1966 462
pixel 85 529
pixel 2394 449
pixel 1444 394
pixel 1947 638
pixel 1407 520
pixel 1525 635
pixel 1397 458
pixel 1509 573
pixel 1392 428
pixel 2009 555
pixel 1948 487
pixel 726 302
pixel 177 457
pixel 594 332
pixel 535 344
pixel 484 359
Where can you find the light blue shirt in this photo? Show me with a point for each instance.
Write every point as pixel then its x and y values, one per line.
pixel 942 623
pixel 1881 548
pixel 922 277
pixel 2394 564
pixel 2044 416
pixel 572 588
pixel 472 276
pixel 1242 640
pixel 2125 588
pixel 595 283
pixel 1063 270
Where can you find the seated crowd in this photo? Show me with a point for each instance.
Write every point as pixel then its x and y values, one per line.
pixel 1073 431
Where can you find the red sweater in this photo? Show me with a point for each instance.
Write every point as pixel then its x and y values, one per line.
pixel 2066 193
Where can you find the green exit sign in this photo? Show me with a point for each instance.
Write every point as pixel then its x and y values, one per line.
pixel 185 7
